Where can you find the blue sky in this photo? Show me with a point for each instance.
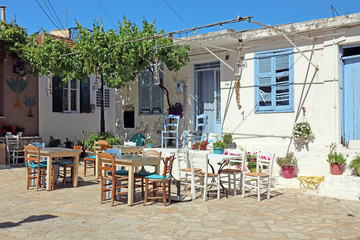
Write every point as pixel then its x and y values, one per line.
pixel 193 13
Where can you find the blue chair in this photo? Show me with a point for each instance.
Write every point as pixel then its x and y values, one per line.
pixel 171 130
pixel 197 134
pixel 160 182
pixel 70 164
pixel 89 162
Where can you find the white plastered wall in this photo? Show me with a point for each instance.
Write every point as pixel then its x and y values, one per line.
pixel 71 125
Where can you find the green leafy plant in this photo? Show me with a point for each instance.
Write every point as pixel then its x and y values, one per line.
pixel 302 129
pixel 336 158
pixel 149 140
pixel 89 144
pixel 219 144
pixel 227 138
pixel 354 163
pixel 54 142
pixel 288 161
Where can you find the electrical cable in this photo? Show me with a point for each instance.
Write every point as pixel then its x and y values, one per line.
pixel 106 13
pixel 56 15
pixel 53 17
pixel 46 14
pixel 176 13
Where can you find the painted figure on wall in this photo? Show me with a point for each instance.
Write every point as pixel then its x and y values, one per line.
pixel 17 85
pixel 30 102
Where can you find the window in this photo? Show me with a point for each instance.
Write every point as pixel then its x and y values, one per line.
pixel 71 96
pixel 274 90
pixel 106 98
pixel 150 94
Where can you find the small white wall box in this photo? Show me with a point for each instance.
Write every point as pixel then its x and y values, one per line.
pixel 180 87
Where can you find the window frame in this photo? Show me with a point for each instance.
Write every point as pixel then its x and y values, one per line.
pixel 272 54
pixel 69 90
pixel 107 104
pixel 151 86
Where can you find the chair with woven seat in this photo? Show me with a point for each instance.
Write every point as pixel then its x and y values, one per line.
pixel 197 134
pixel 171 130
pixel 201 179
pixel 90 161
pixel 143 173
pixel 184 166
pixel 234 174
pixel 261 179
pixel 110 181
pixel 13 150
pixel 66 164
pixel 160 183
pixel 36 169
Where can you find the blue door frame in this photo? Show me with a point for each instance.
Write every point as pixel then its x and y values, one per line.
pixel 350 98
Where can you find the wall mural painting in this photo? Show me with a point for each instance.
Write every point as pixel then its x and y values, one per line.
pixel 30 102
pixel 17 85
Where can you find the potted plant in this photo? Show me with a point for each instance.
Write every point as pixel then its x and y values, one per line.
pixel 288 164
pixel 227 138
pixel 251 159
pixel 355 164
pixel 149 142
pixel 219 147
pixel 336 161
pixel 54 142
pixel 302 130
pixel 200 145
pixel 68 143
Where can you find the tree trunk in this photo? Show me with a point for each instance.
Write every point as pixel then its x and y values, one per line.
pixel 102 112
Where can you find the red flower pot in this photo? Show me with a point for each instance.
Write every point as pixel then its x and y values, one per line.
pixel 336 169
pixel 288 172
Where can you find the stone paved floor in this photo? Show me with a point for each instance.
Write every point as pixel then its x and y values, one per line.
pixel 76 213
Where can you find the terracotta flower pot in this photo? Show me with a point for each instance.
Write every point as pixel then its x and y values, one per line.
pixel 288 172
pixel 336 169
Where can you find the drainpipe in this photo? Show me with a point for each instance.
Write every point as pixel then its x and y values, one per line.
pixel 2 13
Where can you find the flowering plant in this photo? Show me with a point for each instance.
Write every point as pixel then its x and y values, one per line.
pixel 200 145
pixel 302 129
pixel 176 109
pixel 149 140
pixel 12 129
pixel 251 160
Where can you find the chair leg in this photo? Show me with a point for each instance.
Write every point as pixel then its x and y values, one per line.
pixel 258 188
pixel 84 168
pixel 64 180
pixel 169 193
pixel 243 187
pixel 28 178
pixel 102 191
pixel 146 191
pixel 142 187
pixel 164 192
pixel 234 176
pixel 38 179
pixel 53 178
pixel 218 187
pixel 113 184
pixel 268 191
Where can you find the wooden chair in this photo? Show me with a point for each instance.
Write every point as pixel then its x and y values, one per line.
pixel 110 181
pixel 13 150
pixel 186 168
pixel 66 164
pixel 197 134
pixel 143 173
pixel 89 162
pixel 160 182
pixel 36 169
pixel 171 130
pixel 234 175
pixel 261 179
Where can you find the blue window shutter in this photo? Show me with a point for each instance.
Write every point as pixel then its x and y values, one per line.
pixel 144 91
pixel 85 96
pixel 57 94
pixel 274 81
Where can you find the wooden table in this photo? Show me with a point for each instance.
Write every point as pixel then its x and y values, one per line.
pixel 133 161
pixel 129 149
pixel 57 152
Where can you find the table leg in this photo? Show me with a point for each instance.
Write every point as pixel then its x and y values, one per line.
pixel 76 171
pixel 48 173
pixel 131 186
pixel 96 166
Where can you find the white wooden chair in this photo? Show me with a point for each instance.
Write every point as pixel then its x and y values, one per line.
pixel 185 171
pixel 261 179
pixel 201 179
pixel 171 130
pixel 13 149
pixel 234 173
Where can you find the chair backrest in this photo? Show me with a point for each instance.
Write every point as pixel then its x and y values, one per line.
pixel 198 159
pixel 130 150
pixel 38 144
pixel 201 121
pixel 106 163
pixel 168 164
pixel 171 123
pixel 101 142
pixel 237 152
pixel 12 141
pixel 152 153
pixel 33 157
pixel 78 147
pixel 105 147
pixel 265 161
